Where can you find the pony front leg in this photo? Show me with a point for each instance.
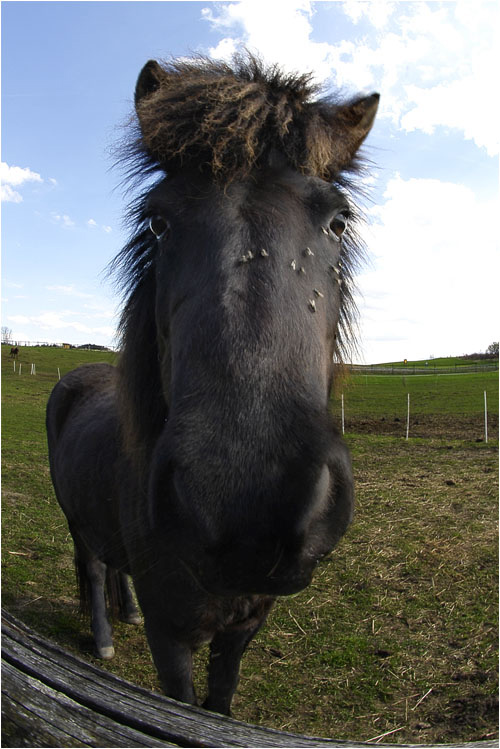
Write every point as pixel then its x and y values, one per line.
pixel 173 661
pixel 226 651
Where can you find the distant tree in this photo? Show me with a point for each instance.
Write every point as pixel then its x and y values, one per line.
pixel 93 347
pixel 493 348
pixel 7 335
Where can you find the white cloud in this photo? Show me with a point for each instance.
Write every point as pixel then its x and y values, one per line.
pixel 12 284
pixel 10 196
pixel 19 319
pixel 68 291
pixel 92 224
pixel 434 68
pixel 432 62
pixel 378 13
pixel 255 23
pixel 465 104
pixel 63 220
pixel 100 310
pixel 58 321
pixel 435 273
pixel 15 176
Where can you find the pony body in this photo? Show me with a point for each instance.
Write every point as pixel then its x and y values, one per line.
pixel 207 465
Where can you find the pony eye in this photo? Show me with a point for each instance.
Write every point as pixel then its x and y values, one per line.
pixel 158 226
pixel 339 223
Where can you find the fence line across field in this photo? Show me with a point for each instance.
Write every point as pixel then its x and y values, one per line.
pixel 343 402
pixel 61 345
pixel 423 370
pixel 361 413
pixel 415 369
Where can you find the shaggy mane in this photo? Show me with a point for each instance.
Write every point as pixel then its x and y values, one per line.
pixel 229 118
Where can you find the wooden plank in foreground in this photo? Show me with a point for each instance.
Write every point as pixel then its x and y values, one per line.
pixel 51 698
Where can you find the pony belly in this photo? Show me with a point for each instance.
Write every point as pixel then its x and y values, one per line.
pixel 84 453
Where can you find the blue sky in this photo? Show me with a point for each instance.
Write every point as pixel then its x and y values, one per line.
pixel 68 76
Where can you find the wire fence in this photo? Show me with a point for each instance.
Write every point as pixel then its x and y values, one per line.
pixel 47 344
pixel 419 369
pixel 403 405
pixel 49 363
pixel 477 427
pixel 447 407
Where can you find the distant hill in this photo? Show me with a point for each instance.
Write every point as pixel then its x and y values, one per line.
pixel 444 361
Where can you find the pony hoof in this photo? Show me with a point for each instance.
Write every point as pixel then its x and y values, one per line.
pixel 132 619
pixel 106 653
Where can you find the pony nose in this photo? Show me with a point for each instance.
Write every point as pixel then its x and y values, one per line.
pixel 318 504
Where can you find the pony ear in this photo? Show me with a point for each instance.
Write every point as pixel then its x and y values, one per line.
pixel 352 123
pixel 149 80
pixel 361 114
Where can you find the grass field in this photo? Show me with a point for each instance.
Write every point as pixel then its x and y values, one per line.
pixel 442 405
pixel 398 633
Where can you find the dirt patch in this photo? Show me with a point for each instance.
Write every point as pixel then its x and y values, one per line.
pixel 474 713
pixel 443 426
pixel 13 498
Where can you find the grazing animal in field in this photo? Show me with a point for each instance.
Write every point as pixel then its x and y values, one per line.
pixel 14 352
pixel 206 464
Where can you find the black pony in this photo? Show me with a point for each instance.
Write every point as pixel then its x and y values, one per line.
pixel 206 465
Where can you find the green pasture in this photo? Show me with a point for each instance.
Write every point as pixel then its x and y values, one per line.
pixel 386 395
pixel 442 362
pixel 429 394
pixel 397 635
pixel 48 359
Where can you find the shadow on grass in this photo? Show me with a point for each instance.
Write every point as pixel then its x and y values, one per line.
pixel 59 621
